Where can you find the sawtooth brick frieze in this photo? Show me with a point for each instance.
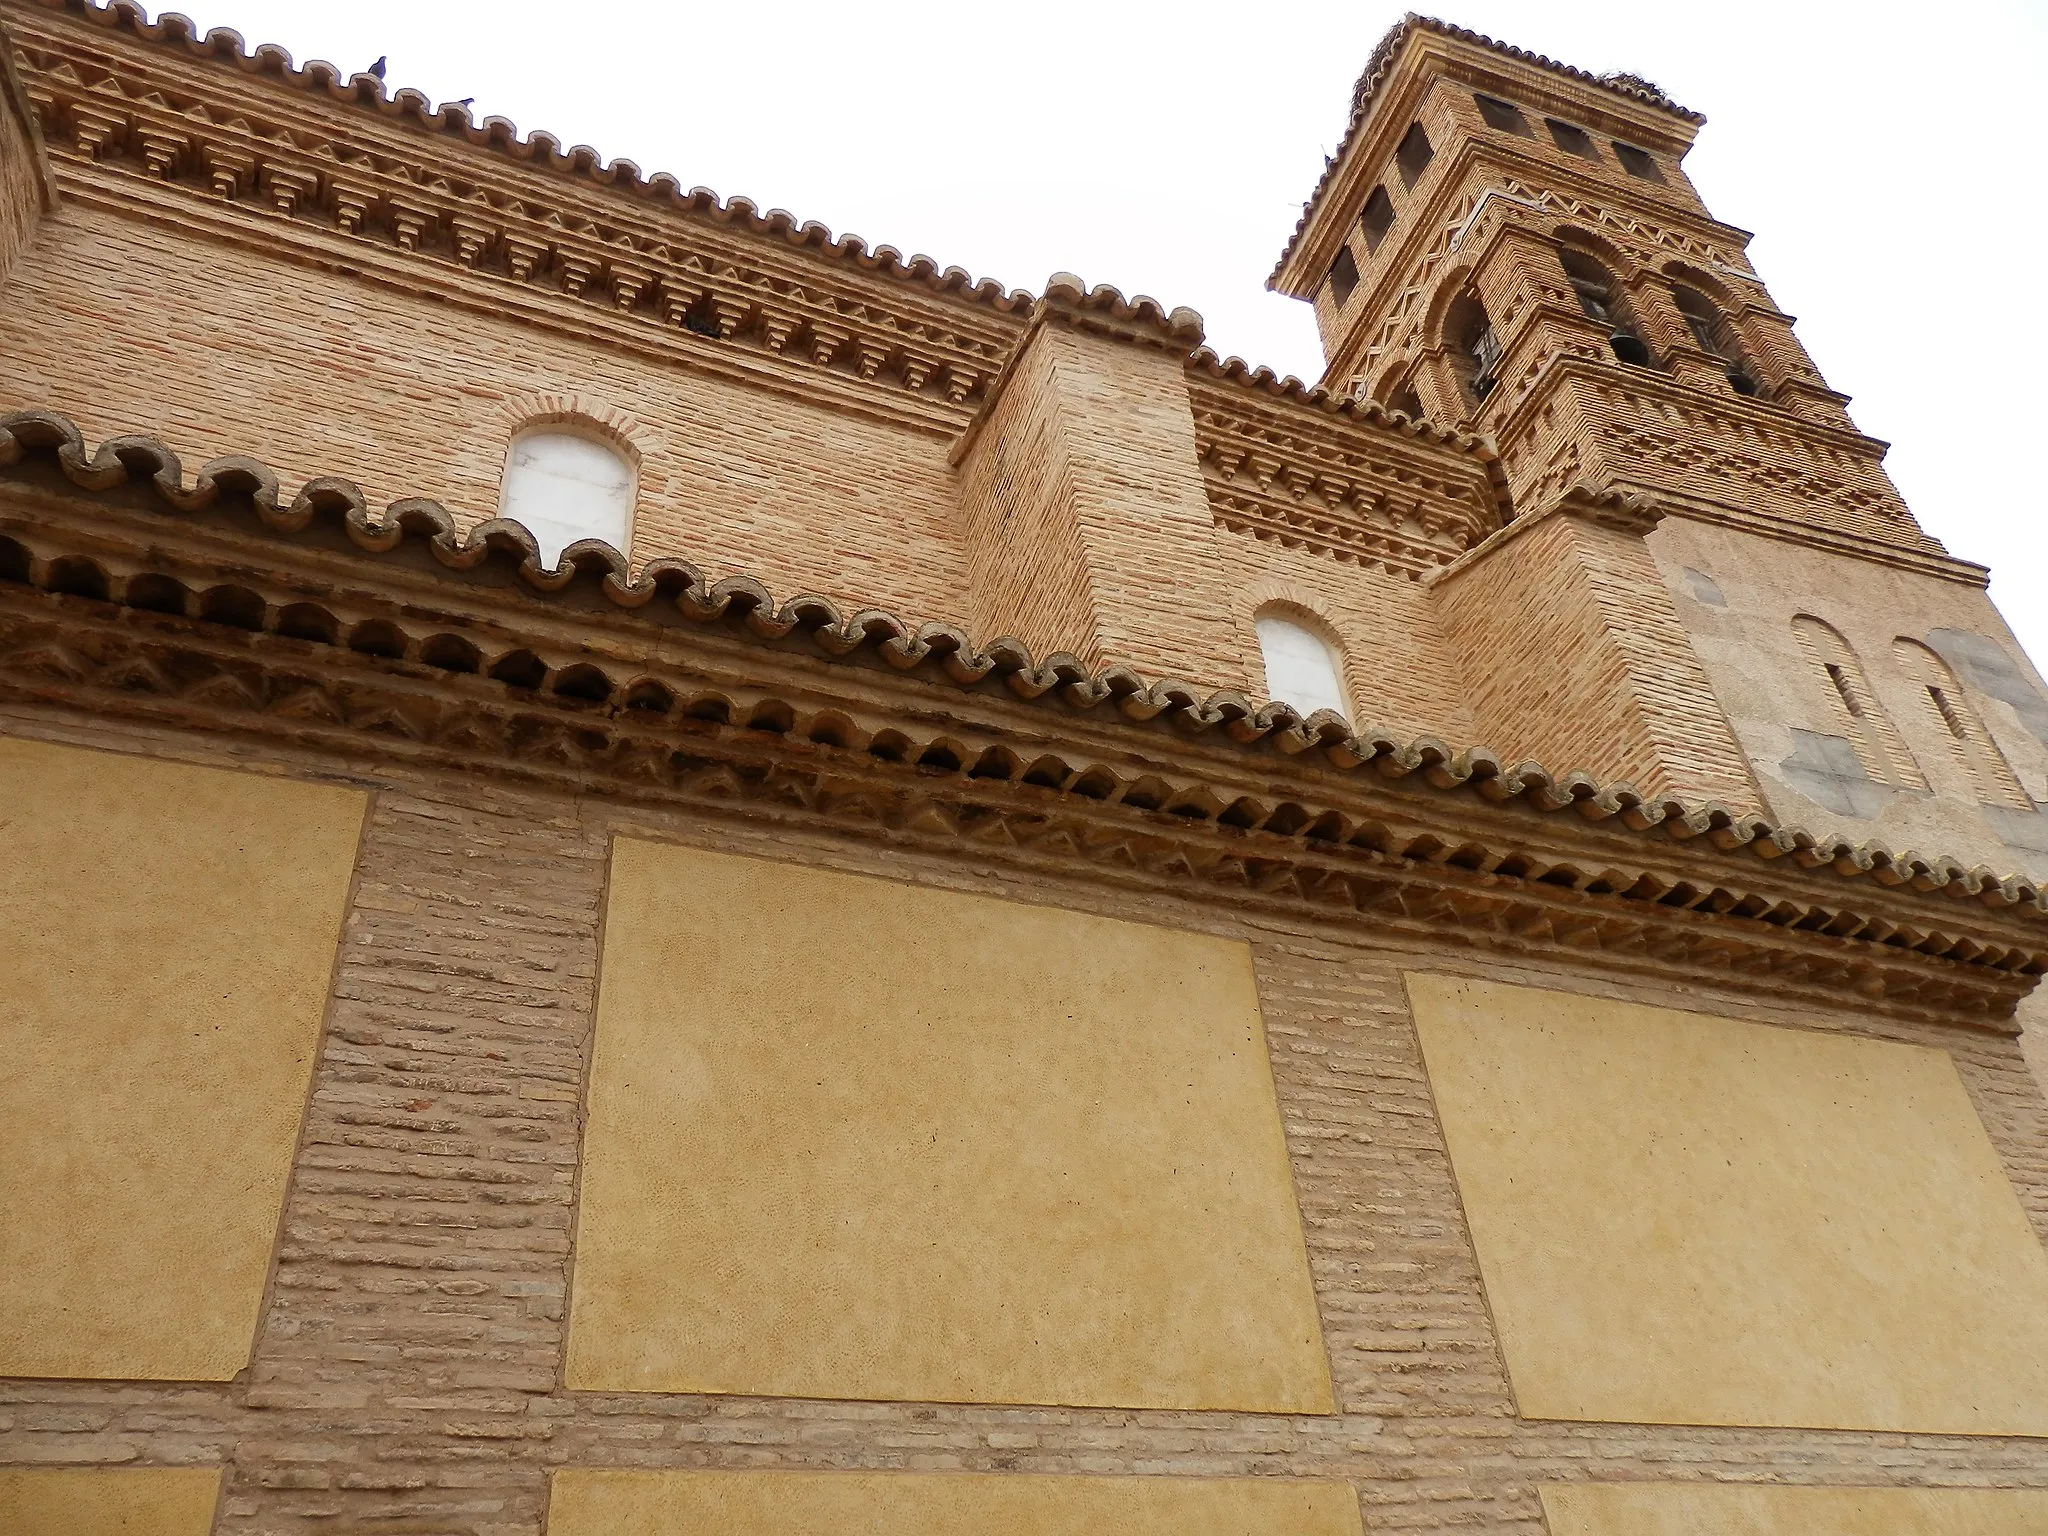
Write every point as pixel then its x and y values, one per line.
pixel 847 1004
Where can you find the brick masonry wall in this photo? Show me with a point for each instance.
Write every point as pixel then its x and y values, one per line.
pixel 1027 558
pixel 319 374
pixel 21 205
pixel 1142 507
pixel 407 1366
pixel 1398 664
pixel 1574 656
pixel 1737 594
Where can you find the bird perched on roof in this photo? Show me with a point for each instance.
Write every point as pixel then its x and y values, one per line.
pixel 377 68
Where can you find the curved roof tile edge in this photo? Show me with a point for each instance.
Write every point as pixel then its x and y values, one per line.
pixel 1381 59
pixel 136 459
pixel 539 148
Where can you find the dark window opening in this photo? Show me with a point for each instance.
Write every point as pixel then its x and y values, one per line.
pixel 1948 714
pixel 1406 402
pixel 1474 347
pixel 1343 276
pixel 1604 307
pixel 1637 162
pixel 1377 218
pixel 1710 328
pixel 1841 681
pixel 1572 140
pixel 1414 155
pixel 1504 115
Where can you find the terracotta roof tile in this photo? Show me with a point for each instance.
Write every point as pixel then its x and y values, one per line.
pixel 948 656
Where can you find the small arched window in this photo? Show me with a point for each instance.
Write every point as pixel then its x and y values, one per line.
pixel 1301 669
pixel 1475 350
pixel 564 486
pixel 1710 328
pixel 1955 719
pixel 1602 300
pixel 1876 741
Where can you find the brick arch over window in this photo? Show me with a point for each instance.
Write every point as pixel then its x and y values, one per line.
pixel 1854 704
pixel 570 476
pixel 1299 657
pixel 630 434
pixel 1601 285
pixel 1952 715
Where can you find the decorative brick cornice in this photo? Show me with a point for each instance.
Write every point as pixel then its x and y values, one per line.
pixel 223 57
pixel 406 199
pixel 1345 478
pixel 1346 500
pixel 1492 185
pixel 314 622
pixel 1771 460
pixel 1630 512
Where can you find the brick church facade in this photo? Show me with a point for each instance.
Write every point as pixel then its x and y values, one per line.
pixel 670 875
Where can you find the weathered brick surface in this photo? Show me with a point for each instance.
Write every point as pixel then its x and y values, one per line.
pixel 419 1292
pixel 1086 495
pixel 1581 659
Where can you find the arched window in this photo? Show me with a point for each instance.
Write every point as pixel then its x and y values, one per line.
pixel 564 486
pixel 1879 747
pixel 1710 328
pixel 1475 350
pixel 1300 668
pixel 1956 720
pixel 1602 300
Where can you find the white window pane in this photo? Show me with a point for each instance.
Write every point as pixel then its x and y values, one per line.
pixel 563 488
pixel 1300 669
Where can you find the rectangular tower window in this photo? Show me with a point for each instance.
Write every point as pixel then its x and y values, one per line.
pixel 1504 115
pixel 1572 139
pixel 1637 162
pixel 1377 218
pixel 1343 277
pixel 1414 155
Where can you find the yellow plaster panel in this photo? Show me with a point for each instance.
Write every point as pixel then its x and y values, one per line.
pixel 853 1138
pixel 1684 1219
pixel 1706 1509
pixel 645 1503
pixel 108 1501
pixel 170 936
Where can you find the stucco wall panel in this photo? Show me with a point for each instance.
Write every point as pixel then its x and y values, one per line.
pixel 108 1501
pixel 1705 1509
pixel 170 936
pixel 859 1139
pixel 634 1503
pixel 1684 1219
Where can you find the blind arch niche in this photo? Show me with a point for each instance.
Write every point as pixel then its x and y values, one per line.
pixel 1302 668
pixel 563 485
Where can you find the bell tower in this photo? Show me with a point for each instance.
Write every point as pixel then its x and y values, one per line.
pixel 1510 246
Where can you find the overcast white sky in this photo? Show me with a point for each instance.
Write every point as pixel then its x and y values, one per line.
pixel 1887 155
